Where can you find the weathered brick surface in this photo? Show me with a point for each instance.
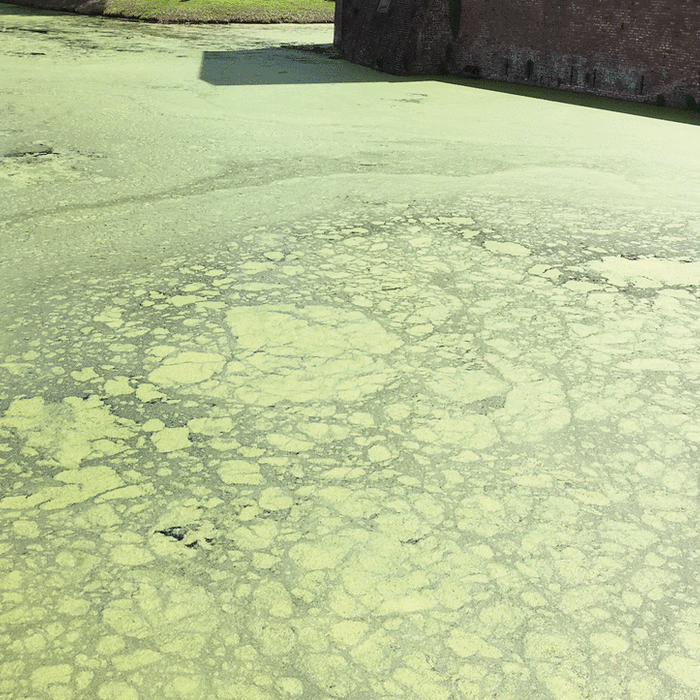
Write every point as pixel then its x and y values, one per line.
pixel 634 49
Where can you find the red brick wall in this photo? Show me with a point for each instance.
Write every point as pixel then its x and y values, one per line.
pixel 410 37
pixel 634 49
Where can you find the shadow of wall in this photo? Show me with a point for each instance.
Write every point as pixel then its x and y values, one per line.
pixel 284 66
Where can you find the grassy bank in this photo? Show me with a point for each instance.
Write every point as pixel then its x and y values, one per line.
pixel 253 11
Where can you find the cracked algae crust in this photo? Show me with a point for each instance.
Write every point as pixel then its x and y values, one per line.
pixel 284 417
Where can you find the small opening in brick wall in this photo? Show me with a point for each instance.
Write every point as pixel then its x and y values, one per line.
pixel 455 14
pixel 529 69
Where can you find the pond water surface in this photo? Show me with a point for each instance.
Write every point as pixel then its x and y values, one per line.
pixel 318 383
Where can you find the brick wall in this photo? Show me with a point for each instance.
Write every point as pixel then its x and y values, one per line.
pixel 406 37
pixel 634 49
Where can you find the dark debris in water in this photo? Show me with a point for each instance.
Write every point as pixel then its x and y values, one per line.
pixel 177 533
pixel 46 151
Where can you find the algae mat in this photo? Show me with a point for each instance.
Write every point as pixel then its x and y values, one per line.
pixel 320 384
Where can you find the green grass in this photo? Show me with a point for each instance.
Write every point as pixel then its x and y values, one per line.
pixel 259 11
pixel 253 11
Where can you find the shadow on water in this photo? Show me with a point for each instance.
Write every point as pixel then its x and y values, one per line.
pixel 286 65
pixel 320 63
pixel 640 109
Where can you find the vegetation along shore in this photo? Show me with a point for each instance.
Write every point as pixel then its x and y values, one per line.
pixel 251 11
